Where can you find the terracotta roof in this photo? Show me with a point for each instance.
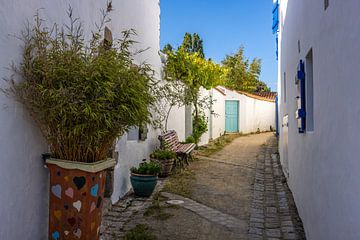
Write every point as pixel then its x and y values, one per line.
pixel 267 95
pixel 221 90
pixel 264 96
pixel 270 97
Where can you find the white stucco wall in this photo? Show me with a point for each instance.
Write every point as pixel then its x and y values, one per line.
pixel 176 122
pixel 323 164
pixel 23 179
pixel 254 114
pixel 218 117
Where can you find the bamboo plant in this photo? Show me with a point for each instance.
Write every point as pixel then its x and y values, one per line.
pixel 83 94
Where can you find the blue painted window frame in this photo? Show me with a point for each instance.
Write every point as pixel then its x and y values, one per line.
pixel 275 12
pixel 301 112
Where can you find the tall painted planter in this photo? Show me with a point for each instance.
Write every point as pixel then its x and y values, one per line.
pixel 76 199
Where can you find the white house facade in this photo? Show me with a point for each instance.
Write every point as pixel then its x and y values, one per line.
pixel 239 112
pixel 319 61
pixel 23 178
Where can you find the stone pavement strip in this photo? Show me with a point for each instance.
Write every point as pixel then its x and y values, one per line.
pixel 210 214
pixel 238 193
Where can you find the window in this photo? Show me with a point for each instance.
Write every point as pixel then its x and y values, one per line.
pixel 284 89
pixel 137 133
pixel 133 134
pixel 326 4
pixel 309 91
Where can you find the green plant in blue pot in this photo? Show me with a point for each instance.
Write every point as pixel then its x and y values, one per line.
pixel 144 178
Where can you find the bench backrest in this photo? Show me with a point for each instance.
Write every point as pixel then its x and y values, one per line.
pixel 170 140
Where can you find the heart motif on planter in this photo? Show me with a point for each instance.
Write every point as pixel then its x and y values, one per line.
pixel 77 233
pixel 92 207
pixel 55 235
pixel 72 221
pixel 77 205
pixel 56 190
pixel 94 190
pixel 69 192
pixel 79 182
pixel 66 233
pixel 57 214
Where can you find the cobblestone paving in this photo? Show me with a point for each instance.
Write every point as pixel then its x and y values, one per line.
pixel 238 193
pixel 273 211
pixel 116 219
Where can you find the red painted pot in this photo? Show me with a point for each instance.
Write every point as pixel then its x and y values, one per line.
pixel 76 199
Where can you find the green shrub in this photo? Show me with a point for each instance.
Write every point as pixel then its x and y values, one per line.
pixel 163 154
pixel 147 168
pixel 200 126
pixel 82 94
pixel 190 139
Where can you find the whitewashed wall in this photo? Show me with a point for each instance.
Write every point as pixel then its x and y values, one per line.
pixel 254 114
pixel 176 122
pixel 23 179
pixel 324 164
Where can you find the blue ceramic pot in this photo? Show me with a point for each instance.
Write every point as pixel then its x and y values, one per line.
pixel 143 185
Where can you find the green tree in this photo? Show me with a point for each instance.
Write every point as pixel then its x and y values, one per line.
pixel 193 44
pixel 194 72
pixel 167 48
pixel 243 75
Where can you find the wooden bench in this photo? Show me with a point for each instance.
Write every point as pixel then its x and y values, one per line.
pixel 170 140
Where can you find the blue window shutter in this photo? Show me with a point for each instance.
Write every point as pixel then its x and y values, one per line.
pixel 275 12
pixel 301 112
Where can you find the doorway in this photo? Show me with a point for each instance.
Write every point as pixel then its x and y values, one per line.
pixel 232 116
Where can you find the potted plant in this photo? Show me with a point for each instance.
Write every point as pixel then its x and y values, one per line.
pixel 144 178
pixel 83 95
pixel 165 158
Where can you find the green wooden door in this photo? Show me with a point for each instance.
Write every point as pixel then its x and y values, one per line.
pixel 232 116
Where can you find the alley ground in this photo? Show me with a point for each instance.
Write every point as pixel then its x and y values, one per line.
pixel 236 193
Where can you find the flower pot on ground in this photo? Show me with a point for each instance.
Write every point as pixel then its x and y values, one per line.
pixel 83 96
pixel 165 159
pixel 144 178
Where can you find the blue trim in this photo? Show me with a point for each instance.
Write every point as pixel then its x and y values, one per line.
pixel 275 12
pixel 301 112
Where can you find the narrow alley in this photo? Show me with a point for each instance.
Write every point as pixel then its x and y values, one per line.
pixel 237 193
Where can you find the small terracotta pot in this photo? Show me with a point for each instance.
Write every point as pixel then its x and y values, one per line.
pixel 76 199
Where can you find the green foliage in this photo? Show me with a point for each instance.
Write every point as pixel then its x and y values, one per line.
pixel 194 72
pixel 167 48
pixel 242 74
pixel 82 94
pixel 193 44
pixel 200 126
pixel 190 139
pixel 140 232
pixel 146 168
pixel 160 154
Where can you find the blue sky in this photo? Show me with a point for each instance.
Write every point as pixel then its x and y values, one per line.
pixel 224 25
